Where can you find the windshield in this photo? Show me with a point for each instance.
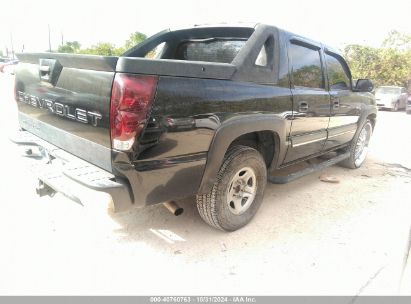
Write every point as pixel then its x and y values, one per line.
pixel 388 90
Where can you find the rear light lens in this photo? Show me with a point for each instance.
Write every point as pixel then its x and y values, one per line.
pixel 131 100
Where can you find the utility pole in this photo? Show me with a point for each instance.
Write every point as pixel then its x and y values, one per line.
pixel 48 25
pixel 12 47
pixel 62 39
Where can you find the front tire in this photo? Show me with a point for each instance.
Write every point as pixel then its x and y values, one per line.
pixel 359 147
pixel 238 191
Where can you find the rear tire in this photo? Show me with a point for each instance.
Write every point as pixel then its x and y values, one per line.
pixel 238 191
pixel 359 147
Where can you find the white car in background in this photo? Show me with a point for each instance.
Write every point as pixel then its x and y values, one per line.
pixel 391 97
pixel 8 65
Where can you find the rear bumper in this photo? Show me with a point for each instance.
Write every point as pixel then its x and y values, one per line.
pixel 383 106
pixel 64 172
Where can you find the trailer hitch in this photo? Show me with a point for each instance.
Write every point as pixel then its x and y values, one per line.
pixel 43 189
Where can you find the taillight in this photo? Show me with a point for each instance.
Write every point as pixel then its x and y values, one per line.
pixel 131 99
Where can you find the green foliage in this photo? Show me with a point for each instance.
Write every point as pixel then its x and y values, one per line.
pixel 396 39
pixel 69 47
pixel 134 39
pixel 387 65
pixel 102 48
pixel 1 53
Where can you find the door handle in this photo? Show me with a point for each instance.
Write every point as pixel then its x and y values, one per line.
pixel 302 106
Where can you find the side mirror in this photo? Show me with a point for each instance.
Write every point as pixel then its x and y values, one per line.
pixel 364 85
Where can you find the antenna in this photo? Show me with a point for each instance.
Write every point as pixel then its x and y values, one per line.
pixel 12 47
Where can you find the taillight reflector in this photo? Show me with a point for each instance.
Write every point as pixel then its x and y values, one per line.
pixel 131 99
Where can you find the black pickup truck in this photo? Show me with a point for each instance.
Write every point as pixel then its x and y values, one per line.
pixel 211 111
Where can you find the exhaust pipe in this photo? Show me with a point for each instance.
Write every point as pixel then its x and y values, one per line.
pixel 173 208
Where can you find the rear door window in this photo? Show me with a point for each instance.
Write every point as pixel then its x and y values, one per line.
pixel 306 66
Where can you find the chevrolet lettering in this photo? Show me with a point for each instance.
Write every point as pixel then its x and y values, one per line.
pixel 60 109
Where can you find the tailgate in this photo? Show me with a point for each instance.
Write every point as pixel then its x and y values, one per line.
pixel 65 100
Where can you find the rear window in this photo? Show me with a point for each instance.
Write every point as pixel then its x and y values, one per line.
pixel 215 50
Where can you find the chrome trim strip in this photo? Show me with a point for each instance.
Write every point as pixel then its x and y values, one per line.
pixel 320 139
pixel 307 142
pixel 342 133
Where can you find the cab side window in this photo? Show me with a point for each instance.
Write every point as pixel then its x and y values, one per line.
pixel 306 66
pixel 337 75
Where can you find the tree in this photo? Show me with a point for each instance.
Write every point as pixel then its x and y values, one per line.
pixel 399 40
pixel 134 39
pixel 69 47
pixel 363 60
pixel 104 49
pixel 388 65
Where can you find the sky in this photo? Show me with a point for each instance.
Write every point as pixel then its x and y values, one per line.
pixel 335 23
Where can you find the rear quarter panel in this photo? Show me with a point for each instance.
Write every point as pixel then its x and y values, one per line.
pixel 185 116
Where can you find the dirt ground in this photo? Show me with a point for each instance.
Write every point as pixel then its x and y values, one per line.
pixel 308 238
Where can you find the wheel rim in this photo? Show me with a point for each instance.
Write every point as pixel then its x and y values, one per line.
pixel 241 191
pixel 361 148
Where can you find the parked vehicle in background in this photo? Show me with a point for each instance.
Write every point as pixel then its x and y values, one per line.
pixel 391 97
pixel 7 65
pixel 408 107
pixel 3 62
pixel 215 113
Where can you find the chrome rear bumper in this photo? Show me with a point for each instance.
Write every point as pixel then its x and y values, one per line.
pixel 62 172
